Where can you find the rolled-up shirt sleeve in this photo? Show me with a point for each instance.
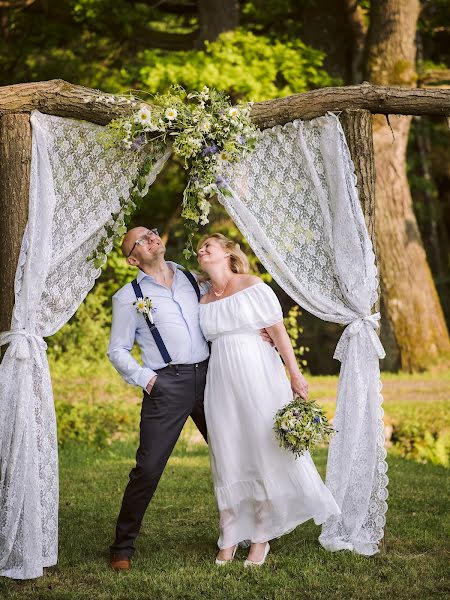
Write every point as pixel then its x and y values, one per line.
pixel 123 331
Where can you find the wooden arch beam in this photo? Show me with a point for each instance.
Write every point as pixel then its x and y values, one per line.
pixel 58 97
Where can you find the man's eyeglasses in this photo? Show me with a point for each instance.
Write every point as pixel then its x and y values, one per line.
pixel 143 240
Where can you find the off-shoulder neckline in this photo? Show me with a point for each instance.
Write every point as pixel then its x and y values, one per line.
pixel 233 295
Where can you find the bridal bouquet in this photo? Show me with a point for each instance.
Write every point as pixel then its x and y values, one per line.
pixel 301 425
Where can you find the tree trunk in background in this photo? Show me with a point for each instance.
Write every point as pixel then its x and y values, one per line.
pixel 413 320
pixel 15 162
pixel 215 17
pixel 327 26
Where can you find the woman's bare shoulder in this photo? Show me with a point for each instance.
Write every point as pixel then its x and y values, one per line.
pixel 246 280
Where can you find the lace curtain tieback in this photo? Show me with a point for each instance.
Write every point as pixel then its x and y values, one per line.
pixel 20 341
pixel 368 326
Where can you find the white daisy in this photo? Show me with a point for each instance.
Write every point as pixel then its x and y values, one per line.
pixel 171 114
pixel 233 112
pixel 140 304
pixel 223 157
pixel 205 126
pixel 144 116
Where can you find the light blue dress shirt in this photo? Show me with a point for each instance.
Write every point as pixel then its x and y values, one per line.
pixel 175 312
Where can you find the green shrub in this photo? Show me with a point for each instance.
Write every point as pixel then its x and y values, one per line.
pixel 96 424
pixel 95 407
pixel 412 440
pixel 294 329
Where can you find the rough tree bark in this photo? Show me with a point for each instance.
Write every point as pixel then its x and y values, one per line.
pixel 357 126
pixel 413 312
pixel 63 99
pixel 15 161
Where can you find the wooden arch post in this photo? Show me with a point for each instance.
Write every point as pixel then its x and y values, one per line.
pixel 15 162
pixel 357 126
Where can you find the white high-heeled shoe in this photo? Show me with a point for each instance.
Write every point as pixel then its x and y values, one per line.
pixel 258 563
pixel 220 561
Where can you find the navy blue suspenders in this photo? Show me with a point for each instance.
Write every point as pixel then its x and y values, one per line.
pixel 153 329
pixel 193 282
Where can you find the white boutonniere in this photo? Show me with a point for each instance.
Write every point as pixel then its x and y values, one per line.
pixel 145 307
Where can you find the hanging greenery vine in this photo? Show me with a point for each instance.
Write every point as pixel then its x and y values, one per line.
pixel 203 128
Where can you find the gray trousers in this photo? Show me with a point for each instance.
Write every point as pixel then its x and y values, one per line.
pixel 176 395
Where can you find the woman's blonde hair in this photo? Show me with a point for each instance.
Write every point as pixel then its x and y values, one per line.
pixel 238 261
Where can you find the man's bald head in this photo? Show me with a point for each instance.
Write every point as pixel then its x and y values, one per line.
pixel 130 239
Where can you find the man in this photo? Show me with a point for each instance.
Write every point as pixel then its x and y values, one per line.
pixel 173 375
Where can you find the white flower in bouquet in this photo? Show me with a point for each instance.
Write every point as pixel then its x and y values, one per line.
pixel 233 112
pixel 205 126
pixel 171 114
pixel 194 142
pixel 204 206
pixel 223 157
pixel 209 189
pixel 143 116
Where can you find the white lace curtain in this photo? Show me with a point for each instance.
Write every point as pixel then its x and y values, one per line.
pixel 295 200
pixel 75 185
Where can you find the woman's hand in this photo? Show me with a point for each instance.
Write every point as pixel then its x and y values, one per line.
pixel 299 385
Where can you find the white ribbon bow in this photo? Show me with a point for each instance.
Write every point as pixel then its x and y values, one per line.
pixel 20 341
pixel 356 327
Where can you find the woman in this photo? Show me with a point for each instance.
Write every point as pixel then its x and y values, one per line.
pixel 262 491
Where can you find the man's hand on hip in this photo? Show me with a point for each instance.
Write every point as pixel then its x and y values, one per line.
pixel 151 383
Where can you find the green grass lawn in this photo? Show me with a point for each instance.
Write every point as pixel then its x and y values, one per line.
pixel 175 551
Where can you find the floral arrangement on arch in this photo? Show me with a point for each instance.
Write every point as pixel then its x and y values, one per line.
pixel 204 129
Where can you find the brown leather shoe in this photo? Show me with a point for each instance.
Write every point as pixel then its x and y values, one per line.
pixel 119 563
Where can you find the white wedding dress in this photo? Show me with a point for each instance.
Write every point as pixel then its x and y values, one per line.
pixel 262 491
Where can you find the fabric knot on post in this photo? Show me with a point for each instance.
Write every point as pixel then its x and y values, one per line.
pixel 365 326
pixel 20 341
pixel 355 326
